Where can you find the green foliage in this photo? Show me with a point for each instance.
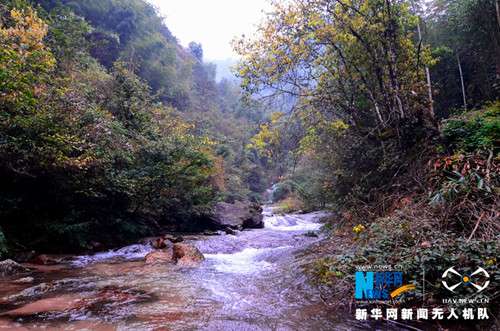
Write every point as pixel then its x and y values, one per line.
pixel 67 37
pixel 82 149
pixel 91 146
pixel 132 32
pixel 327 272
pixel 25 61
pixel 284 190
pixel 196 49
pixel 314 181
pixel 465 33
pixel 129 31
pixel 338 66
pixel 3 246
pixel 447 96
pixel 475 130
pixel 458 184
pixel 415 245
pixel 289 205
pixel 347 82
pixel 467 177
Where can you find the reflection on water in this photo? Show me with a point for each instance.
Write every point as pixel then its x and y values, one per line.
pixel 251 281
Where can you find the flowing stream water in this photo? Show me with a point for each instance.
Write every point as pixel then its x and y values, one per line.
pixel 252 281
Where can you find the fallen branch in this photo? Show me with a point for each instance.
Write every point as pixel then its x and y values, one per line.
pixel 488 166
pixel 475 228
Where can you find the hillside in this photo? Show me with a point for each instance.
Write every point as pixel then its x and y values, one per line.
pixel 133 134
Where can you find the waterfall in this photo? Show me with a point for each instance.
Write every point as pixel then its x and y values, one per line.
pixel 270 192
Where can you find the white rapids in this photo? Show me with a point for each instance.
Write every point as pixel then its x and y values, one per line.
pixel 131 252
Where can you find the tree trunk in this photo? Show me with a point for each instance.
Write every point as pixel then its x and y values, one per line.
pixel 497 8
pixel 461 80
pixel 427 72
pixel 492 31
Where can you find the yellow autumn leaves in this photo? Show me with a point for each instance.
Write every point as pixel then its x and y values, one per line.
pixel 24 59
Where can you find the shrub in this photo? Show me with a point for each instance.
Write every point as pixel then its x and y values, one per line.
pixel 283 190
pixel 474 130
pixel 289 205
pixel 310 234
pixel 3 246
pixel 466 183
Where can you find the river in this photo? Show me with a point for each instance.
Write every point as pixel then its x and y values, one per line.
pixel 252 281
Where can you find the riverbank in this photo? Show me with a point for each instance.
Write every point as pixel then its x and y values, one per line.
pixel 410 241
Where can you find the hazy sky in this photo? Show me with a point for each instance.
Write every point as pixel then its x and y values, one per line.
pixel 214 23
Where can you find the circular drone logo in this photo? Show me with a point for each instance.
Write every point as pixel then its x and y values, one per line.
pixel 466 279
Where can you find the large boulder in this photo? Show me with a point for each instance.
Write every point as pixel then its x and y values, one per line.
pixel 237 215
pixel 158 257
pixel 10 267
pixel 186 255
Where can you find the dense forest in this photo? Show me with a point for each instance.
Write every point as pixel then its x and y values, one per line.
pixel 110 128
pixel 383 111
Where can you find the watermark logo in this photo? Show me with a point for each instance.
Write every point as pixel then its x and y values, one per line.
pixel 378 285
pixel 465 279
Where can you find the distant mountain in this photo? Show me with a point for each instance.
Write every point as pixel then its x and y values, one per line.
pixel 223 69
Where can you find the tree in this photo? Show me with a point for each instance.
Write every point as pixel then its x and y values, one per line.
pixel 469 29
pixel 342 61
pixel 196 49
pixel 427 72
pixel 25 61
